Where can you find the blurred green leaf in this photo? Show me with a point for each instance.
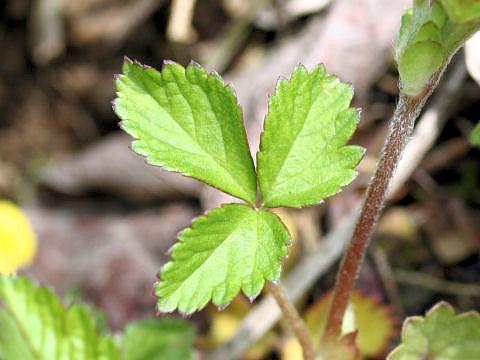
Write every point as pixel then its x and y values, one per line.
pixel 152 339
pixel 440 335
pixel 462 11
pixel 430 34
pixel 35 325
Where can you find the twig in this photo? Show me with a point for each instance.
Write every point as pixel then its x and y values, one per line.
pixel 400 129
pixel 387 278
pixel 295 321
pixel 430 125
pixel 47 35
pixel 232 38
pixel 430 282
pixel 179 28
pixel 264 316
pixel 113 23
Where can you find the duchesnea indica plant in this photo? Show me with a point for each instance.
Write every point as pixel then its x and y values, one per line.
pixel 188 121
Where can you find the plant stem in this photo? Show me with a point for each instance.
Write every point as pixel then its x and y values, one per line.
pixel 401 126
pixel 296 322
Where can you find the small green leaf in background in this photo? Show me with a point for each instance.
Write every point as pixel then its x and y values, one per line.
pixel 440 335
pixel 420 49
pixel 36 326
pixel 430 34
pixel 152 339
pixel 233 248
pixel 187 121
pixel 475 135
pixel 462 11
pixel 303 157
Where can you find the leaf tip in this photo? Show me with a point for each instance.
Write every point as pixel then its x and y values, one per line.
pixel 194 63
pixel 159 312
pixel 223 307
pixel 167 62
pixel 252 298
pixel 154 288
pixel 214 73
pixel 169 250
pixel 299 65
pixel 127 59
pixel 185 315
pixel 116 76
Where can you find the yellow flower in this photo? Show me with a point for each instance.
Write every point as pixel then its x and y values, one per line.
pixel 18 243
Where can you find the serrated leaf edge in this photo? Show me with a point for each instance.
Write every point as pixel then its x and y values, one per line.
pixel 214 74
pixel 159 312
pixel 359 111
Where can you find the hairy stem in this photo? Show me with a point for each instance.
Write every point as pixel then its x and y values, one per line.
pixel 407 110
pixel 296 322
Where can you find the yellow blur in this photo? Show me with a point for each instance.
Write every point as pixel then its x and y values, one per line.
pixel 18 243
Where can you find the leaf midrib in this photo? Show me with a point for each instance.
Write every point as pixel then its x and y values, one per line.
pixel 222 243
pixel 274 183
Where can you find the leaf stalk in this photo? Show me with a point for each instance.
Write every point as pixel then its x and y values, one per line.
pixel 294 319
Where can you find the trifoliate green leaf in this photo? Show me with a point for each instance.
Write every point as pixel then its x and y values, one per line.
pixel 303 157
pixel 233 248
pixel 151 339
pixel 440 335
pixel 462 11
pixel 36 326
pixel 187 121
pixel 475 135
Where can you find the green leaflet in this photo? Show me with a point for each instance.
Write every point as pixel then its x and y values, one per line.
pixel 440 335
pixel 233 248
pixel 303 157
pixel 36 326
pixel 430 34
pixel 151 339
pixel 189 122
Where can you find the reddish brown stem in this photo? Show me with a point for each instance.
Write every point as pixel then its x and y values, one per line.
pixel 296 322
pixel 400 129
